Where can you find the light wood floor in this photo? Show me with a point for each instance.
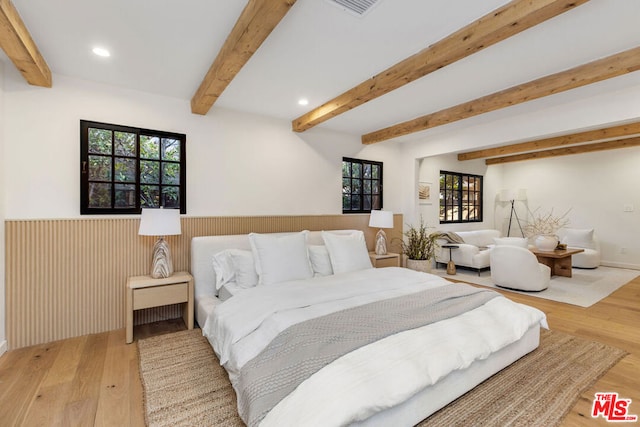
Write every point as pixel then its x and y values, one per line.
pixel 94 381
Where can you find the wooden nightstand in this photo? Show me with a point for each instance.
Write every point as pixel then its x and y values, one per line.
pixel 388 260
pixel 146 292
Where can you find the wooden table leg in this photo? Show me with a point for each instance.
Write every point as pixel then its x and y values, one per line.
pixel 558 266
pixel 129 315
pixel 562 267
pixel 187 308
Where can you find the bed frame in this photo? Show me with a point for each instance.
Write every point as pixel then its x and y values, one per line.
pixel 408 413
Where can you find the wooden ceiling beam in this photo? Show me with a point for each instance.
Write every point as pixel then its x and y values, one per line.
pixel 556 141
pixel 612 66
pixel 565 151
pixel 254 25
pixel 502 23
pixel 17 43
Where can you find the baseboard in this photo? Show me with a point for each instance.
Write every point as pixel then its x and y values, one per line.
pixel 3 347
pixel 620 265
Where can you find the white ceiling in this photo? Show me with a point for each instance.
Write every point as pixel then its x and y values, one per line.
pixel 319 51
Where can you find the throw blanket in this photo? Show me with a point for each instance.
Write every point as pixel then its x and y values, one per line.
pixel 450 237
pixel 303 349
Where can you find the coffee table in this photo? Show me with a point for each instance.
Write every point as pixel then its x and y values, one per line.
pixel 559 260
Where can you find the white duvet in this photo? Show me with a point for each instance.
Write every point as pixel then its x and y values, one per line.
pixel 351 388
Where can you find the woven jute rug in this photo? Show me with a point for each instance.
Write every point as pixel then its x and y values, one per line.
pixel 185 386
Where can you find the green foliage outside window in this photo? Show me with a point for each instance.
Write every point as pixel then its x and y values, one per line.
pixel 125 169
pixel 361 185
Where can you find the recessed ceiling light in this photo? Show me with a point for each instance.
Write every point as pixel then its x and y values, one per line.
pixel 101 51
pixel 303 101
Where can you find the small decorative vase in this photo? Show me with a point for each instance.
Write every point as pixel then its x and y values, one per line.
pixel 546 242
pixel 423 265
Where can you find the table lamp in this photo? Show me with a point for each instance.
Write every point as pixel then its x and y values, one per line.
pixel 160 222
pixel 381 219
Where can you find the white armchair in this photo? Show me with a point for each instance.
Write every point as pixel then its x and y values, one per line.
pixel 518 268
pixel 582 239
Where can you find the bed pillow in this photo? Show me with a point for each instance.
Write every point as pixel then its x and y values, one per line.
pixel 348 252
pixel 281 258
pixel 223 267
pixel 235 265
pixel 320 261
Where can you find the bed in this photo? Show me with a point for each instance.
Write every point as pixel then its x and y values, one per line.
pixel 257 301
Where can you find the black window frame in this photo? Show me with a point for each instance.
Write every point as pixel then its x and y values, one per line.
pixel 346 190
pixel 85 209
pixel 458 200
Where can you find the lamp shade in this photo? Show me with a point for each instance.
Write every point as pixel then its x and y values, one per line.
pixel 160 222
pixel 507 195
pixel 522 194
pixel 381 219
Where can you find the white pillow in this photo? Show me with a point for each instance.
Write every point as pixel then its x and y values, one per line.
pixel 223 267
pixel 281 258
pixel 579 238
pixel 348 252
pixel 320 260
pixel 235 265
pixel 512 241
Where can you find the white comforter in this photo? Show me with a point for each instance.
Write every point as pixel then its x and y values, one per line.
pixel 242 326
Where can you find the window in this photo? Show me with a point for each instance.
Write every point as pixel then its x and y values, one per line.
pixel 460 197
pixel 124 169
pixel 361 185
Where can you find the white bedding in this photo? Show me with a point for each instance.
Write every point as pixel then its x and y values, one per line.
pixel 228 290
pixel 401 364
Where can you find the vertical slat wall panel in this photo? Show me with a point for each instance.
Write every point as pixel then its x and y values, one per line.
pixel 66 278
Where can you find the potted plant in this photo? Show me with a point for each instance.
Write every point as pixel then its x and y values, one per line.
pixel 419 247
pixel 543 228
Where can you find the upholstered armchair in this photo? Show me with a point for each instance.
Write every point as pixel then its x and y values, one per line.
pixel 518 268
pixel 582 239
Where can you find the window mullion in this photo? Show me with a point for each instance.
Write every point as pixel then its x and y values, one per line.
pixel 138 172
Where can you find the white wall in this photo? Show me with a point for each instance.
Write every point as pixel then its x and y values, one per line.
pixel 553 115
pixel 429 171
pixel 595 186
pixel 3 334
pixel 595 189
pixel 237 164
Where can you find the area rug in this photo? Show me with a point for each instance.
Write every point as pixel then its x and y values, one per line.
pixel 584 288
pixel 185 386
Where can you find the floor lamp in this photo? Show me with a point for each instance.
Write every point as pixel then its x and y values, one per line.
pixel 511 197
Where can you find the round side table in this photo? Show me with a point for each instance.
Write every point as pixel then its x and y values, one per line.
pixel 451 267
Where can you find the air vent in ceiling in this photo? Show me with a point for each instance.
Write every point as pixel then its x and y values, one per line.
pixel 356 7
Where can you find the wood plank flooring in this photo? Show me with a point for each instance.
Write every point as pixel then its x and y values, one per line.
pixel 93 380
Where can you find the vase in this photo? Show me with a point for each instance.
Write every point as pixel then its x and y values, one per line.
pixel 546 242
pixel 423 265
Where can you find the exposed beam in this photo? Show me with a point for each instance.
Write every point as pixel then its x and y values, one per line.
pixel 565 151
pixel 254 25
pixel 502 23
pixel 17 43
pixel 592 72
pixel 556 141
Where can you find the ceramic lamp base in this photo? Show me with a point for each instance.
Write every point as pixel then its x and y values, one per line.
pixel 381 242
pixel 162 265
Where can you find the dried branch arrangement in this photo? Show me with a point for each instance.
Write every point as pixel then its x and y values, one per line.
pixel 545 223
